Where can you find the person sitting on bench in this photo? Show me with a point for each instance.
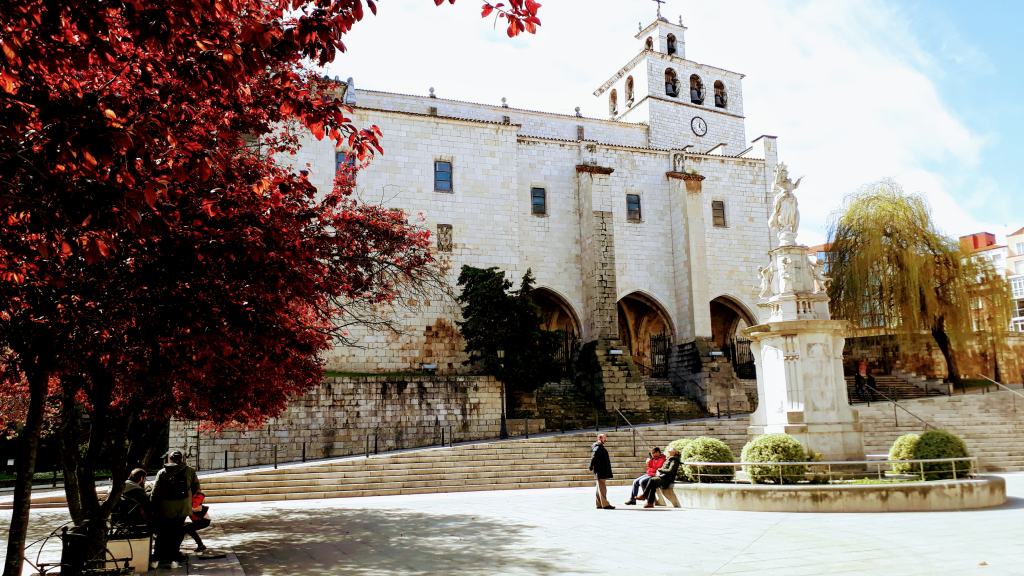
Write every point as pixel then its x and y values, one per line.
pixel 654 461
pixel 666 476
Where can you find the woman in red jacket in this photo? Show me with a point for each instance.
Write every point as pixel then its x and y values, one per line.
pixel 654 461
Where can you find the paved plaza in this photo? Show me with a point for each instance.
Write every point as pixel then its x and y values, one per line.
pixel 559 532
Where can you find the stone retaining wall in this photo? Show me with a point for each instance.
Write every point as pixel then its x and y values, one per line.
pixel 345 414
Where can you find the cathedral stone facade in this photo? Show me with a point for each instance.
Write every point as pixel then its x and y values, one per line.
pixel 644 229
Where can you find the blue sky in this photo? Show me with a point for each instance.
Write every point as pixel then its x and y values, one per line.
pixel 930 93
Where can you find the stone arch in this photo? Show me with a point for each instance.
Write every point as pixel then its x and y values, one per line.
pixel 613 103
pixel 556 312
pixel 721 96
pixel 670 44
pixel 696 89
pixel 728 316
pixel 641 317
pixel 629 90
pixel 671 83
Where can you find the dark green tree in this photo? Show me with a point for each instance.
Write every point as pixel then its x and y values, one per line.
pixel 495 317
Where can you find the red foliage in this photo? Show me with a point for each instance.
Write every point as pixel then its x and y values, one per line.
pixel 142 230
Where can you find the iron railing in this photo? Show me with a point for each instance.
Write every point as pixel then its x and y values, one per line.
pixel 895 405
pixel 842 471
pixel 1007 388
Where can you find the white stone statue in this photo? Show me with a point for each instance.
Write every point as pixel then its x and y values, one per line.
pixel 350 92
pixel 785 213
pixel 820 279
pixel 767 274
pixel 786 278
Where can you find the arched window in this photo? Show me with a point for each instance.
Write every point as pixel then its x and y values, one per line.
pixel 696 89
pixel 671 83
pixel 629 91
pixel 613 103
pixel 670 44
pixel 721 97
pixel 650 43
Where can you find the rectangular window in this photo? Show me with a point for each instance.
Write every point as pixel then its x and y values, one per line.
pixel 1019 248
pixel 1019 313
pixel 1018 267
pixel 538 201
pixel 718 213
pixel 1017 284
pixel 633 213
pixel 442 176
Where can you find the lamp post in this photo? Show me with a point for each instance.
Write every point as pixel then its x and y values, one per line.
pixel 503 430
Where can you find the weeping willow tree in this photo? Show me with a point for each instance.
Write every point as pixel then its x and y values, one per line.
pixel 892 270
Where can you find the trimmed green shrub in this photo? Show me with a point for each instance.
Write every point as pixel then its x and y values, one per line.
pixel 774 448
pixel 930 445
pixel 707 449
pixel 941 444
pixel 903 449
pixel 678 445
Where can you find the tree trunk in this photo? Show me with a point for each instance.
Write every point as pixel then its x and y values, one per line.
pixel 26 468
pixel 942 339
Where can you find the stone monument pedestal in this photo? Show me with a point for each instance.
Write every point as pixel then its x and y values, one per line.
pixel 798 351
pixel 801 386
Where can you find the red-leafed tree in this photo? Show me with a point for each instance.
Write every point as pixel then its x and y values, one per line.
pixel 155 258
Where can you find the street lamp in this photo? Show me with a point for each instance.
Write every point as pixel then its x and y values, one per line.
pixel 503 430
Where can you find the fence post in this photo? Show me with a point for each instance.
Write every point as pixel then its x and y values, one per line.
pixel 895 415
pixel 922 471
pixel 666 415
pixel 954 469
pixel 597 421
pixel 197 449
pixel 526 426
pixel 718 410
pixel 275 456
pixel 368 445
pixel 225 460
pixel 634 443
pixel 55 477
pixel 303 451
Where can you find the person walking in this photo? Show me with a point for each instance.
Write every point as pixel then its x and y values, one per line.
pixel 666 476
pixel 198 519
pixel 172 503
pixel 601 466
pixel 864 382
pixel 654 461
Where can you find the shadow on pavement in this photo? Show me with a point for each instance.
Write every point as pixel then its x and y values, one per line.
pixel 386 541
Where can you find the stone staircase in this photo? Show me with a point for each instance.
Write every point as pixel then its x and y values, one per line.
pixel 551 461
pixel 992 425
pixel 896 387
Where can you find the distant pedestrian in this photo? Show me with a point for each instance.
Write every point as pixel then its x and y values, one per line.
pixel 665 478
pixel 654 461
pixel 601 466
pixel 172 503
pixel 864 382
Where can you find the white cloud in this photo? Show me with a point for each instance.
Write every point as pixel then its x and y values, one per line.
pixel 845 85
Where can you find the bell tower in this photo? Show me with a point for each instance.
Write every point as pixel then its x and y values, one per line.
pixel 686 104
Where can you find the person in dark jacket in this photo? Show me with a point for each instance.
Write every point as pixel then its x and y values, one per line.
pixel 172 503
pixel 864 382
pixel 133 510
pixel 654 461
pixel 601 466
pixel 666 477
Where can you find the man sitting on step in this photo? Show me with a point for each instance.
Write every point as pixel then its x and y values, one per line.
pixel 654 461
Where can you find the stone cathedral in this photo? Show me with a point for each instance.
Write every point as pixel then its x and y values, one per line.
pixel 645 229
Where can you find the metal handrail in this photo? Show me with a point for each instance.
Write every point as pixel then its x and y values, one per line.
pixel 896 404
pixel 916 465
pixel 633 428
pixel 1007 388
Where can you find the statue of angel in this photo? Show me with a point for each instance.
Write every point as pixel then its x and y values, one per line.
pixel 785 213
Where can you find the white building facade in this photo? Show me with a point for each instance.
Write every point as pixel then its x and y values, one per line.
pixel 648 224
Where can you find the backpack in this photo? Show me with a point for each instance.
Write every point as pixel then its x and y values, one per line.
pixel 175 486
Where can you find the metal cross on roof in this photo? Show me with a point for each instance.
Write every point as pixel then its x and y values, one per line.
pixel 659 2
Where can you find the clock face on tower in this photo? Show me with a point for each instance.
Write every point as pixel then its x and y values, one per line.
pixel 699 126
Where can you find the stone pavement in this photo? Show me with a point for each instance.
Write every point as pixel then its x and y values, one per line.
pixel 558 531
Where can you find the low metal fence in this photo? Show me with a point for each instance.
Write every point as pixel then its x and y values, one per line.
pixel 839 471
